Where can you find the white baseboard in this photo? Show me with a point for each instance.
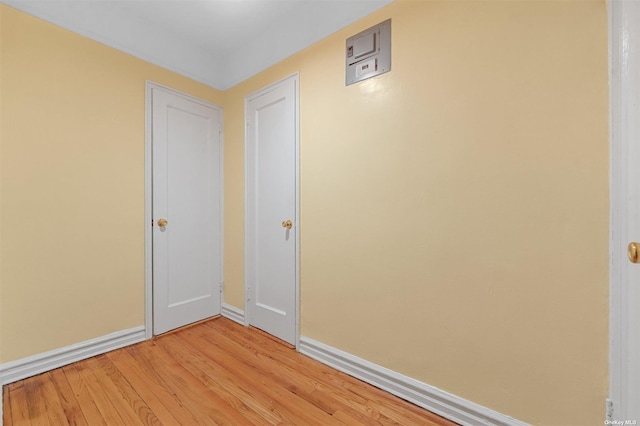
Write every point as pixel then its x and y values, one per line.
pixel 36 364
pixel 233 313
pixel 431 398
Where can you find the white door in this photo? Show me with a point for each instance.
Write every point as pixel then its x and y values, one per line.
pixel 271 221
pixel 625 221
pixel 187 218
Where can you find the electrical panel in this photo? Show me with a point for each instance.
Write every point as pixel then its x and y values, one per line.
pixel 368 53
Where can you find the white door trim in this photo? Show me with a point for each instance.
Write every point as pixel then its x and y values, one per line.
pixel 148 198
pixel 296 220
pixel 624 38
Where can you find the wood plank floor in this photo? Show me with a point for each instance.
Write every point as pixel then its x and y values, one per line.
pixel 216 372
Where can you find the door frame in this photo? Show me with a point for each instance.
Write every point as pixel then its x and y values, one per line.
pixel 247 310
pixel 148 197
pixel 624 184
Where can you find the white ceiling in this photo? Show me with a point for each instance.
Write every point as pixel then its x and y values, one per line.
pixel 217 42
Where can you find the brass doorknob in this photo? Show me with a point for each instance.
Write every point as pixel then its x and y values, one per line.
pixel 162 222
pixel 287 224
pixel 633 251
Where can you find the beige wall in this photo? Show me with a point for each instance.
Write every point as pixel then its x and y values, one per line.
pixel 454 212
pixel 72 204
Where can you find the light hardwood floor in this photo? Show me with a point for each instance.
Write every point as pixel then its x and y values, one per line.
pixel 216 372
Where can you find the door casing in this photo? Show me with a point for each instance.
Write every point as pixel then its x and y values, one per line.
pixel 148 198
pixel 262 91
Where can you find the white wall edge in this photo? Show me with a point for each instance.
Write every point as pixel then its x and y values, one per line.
pixel 46 361
pixel 233 313
pixel 426 396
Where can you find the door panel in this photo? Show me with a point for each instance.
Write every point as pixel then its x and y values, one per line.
pixel 271 200
pixel 624 404
pixel 631 288
pixel 186 192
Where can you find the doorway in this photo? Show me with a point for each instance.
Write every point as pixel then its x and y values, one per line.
pixel 184 155
pixel 272 210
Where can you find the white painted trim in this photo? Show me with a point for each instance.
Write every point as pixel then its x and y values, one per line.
pixel 40 363
pixel 296 78
pixel 148 214
pixel 233 313
pixel 148 196
pixel 221 180
pixel 617 219
pixel 426 396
